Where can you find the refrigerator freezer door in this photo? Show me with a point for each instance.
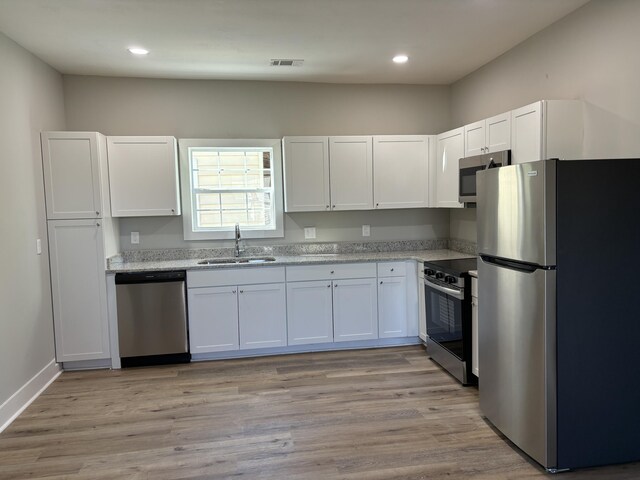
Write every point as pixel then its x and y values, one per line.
pixel 516 212
pixel 517 352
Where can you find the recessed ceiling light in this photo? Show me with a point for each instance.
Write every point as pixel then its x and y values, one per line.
pixel 400 59
pixel 138 50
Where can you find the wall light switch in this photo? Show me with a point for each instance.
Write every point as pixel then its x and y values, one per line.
pixel 39 246
pixel 366 230
pixel 135 238
pixel 309 232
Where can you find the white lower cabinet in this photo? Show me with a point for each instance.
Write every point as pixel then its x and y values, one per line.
pixel 213 319
pixel 355 309
pixel 79 290
pixel 262 316
pixel 422 312
pixel 392 307
pixel 309 312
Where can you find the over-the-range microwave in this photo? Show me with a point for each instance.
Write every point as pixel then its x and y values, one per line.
pixel 469 166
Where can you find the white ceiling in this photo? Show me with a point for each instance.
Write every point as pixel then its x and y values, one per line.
pixel 343 41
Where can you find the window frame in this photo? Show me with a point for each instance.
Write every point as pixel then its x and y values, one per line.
pixel 184 144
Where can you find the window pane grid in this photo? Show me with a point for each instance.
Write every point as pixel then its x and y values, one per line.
pixel 230 186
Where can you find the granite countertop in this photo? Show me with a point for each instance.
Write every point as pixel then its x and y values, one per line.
pixel 286 260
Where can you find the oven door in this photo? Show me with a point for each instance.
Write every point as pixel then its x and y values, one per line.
pixel 444 307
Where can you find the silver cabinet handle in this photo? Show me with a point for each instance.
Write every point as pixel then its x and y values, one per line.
pixel 333 206
pixel 328 207
pixel 377 205
pixel 329 286
pixel 97 224
pixel 173 210
pixel 97 213
pixel 241 291
pixel 392 269
pixel 332 272
pixel 233 291
pixel 380 282
pixel 335 285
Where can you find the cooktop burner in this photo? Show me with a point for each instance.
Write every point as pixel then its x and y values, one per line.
pixel 457 267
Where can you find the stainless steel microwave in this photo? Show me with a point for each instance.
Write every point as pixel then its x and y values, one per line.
pixel 469 166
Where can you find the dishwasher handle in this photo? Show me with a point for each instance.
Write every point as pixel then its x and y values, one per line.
pixel 150 277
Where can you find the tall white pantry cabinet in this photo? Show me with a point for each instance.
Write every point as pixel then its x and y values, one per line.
pixel 82 235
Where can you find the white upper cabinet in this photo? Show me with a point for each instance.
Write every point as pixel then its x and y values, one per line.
pixel 450 148
pixel 547 129
pixel 143 176
pixel 489 135
pixel 73 176
pixel 401 171
pixel 351 173
pixel 306 174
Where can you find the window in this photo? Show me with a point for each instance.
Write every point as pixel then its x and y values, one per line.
pixel 229 182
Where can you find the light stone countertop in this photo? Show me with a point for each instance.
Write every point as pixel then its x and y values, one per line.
pixel 289 260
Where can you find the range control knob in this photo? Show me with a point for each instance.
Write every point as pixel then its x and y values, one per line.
pixel 429 273
pixel 439 275
pixel 450 279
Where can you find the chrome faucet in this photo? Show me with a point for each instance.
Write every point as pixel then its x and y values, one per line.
pixel 237 250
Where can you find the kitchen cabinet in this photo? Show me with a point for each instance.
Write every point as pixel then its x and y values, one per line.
pixel 306 174
pixel 231 309
pixel 262 315
pixel 143 176
pixel 422 312
pixel 355 309
pixel 213 319
pixel 392 307
pixel 401 171
pixel 547 129
pixel 489 135
pixel 75 175
pixel 475 367
pixel 450 148
pixel 351 173
pixel 309 312
pixel 78 284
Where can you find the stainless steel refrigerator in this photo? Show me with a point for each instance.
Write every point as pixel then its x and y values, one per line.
pixel 559 323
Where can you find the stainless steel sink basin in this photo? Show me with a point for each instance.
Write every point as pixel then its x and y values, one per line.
pixel 234 260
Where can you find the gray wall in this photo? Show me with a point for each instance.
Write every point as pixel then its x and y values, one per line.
pixel 592 55
pixel 243 109
pixel 31 99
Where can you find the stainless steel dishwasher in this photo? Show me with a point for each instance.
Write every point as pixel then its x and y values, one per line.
pixel 152 318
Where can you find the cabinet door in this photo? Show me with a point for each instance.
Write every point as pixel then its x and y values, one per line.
pixel 213 319
pixel 143 176
pixel 351 171
pixel 355 306
pixel 309 312
pixel 392 307
pixel 401 171
pixel 474 337
pixel 78 284
pixel 475 138
pixel 71 166
pixel 498 132
pixel 450 150
pixel 526 133
pixel 263 315
pixel 306 174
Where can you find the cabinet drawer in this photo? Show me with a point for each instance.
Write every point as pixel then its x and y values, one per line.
pixel 392 269
pixel 474 287
pixel 235 276
pixel 331 272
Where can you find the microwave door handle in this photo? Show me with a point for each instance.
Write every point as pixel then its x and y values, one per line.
pixel 449 291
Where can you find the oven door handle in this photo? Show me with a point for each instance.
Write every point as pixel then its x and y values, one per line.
pixel 449 291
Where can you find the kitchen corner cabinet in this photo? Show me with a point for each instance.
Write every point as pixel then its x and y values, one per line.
pixel 351 173
pixel 79 289
pixel 355 309
pixel 487 136
pixel 309 312
pixel 547 129
pixel 143 176
pixel 450 148
pixel 306 174
pixel 75 175
pixel 400 171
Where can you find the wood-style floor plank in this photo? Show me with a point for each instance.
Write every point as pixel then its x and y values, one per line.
pixel 385 414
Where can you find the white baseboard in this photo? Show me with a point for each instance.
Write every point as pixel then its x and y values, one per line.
pixel 19 401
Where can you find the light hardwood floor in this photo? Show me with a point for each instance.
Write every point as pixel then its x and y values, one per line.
pixel 368 414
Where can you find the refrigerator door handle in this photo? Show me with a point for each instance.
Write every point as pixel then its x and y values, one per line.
pixel 518 266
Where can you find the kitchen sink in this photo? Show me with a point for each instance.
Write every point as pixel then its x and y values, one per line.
pixel 234 260
pixel 319 254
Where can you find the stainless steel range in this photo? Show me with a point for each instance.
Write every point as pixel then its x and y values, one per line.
pixel 448 310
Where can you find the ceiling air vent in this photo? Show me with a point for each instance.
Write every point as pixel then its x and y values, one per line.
pixel 285 62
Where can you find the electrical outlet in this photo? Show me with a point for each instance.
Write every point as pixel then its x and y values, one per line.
pixel 366 230
pixel 309 233
pixel 135 238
